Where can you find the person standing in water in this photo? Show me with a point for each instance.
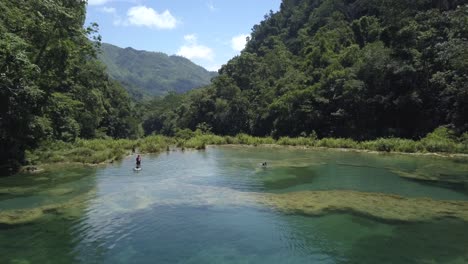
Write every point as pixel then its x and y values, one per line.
pixel 138 161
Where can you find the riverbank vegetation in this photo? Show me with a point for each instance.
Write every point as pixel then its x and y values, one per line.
pixel 95 151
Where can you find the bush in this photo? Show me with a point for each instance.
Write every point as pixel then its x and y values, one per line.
pixel 441 139
pixel 196 143
pixel 299 141
pixel 231 140
pixel 81 151
pixel 184 134
pixel 200 141
pixel 337 143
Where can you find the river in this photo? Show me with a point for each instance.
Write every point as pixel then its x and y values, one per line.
pixel 221 205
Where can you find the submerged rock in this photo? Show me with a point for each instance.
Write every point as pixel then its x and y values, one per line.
pixel 16 217
pixel 69 209
pixel 380 206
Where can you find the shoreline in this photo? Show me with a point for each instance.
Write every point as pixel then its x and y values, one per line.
pixel 434 154
pixel 43 167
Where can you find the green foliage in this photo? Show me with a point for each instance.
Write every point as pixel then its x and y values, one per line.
pixel 250 140
pixel 392 144
pixel 203 128
pixel 200 141
pixel 299 141
pixel 155 143
pixel 337 143
pixel 341 69
pixel 92 151
pixel 440 140
pixel 96 151
pixel 184 134
pixel 51 85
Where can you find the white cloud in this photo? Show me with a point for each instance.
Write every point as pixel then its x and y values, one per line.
pixel 192 50
pixel 108 10
pixel 238 42
pixel 195 51
pixel 148 17
pixel 102 2
pixel 117 20
pixel 192 38
pixel 97 2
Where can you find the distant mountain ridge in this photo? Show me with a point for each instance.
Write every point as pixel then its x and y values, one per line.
pixel 152 73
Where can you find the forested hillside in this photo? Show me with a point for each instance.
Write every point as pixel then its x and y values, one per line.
pixel 338 68
pixel 152 73
pixel 51 85
pixel 360 69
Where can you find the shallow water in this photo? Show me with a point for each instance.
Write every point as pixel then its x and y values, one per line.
pixel 205 207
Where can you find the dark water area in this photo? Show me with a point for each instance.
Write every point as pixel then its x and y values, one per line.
pixel 205 207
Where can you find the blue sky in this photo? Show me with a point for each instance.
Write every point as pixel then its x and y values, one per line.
pixel 208 32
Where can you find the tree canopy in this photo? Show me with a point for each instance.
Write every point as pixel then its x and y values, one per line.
pixel 51 85
pixel 340 68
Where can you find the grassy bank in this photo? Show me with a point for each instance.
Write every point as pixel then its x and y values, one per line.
pixel 97 151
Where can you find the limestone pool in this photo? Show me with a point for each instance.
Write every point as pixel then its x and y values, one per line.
pixel 221 206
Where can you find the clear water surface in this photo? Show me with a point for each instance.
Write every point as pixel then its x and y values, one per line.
pixel 195 207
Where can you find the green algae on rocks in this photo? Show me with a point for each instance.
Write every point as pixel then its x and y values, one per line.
pixel 379 206
pixel 69 209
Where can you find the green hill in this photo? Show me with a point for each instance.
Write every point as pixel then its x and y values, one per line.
pixel 152 73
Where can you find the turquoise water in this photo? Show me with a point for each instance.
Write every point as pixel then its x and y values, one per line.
pixel 200 207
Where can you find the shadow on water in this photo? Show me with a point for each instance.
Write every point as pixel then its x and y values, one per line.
pixel 443 241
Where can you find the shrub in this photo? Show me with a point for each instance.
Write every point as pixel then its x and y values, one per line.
pixel 184 134
pixel 337 143
pixel 231 140
pixel 196 143
pixel 299 141
pixel 246 139
pixel 441 139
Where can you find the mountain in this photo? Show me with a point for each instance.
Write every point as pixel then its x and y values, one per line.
pixel 152 73
pixel 362 69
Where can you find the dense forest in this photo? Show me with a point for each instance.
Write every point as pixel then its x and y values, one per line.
pixel 361 69
pixel 146 74
pixel 51 85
